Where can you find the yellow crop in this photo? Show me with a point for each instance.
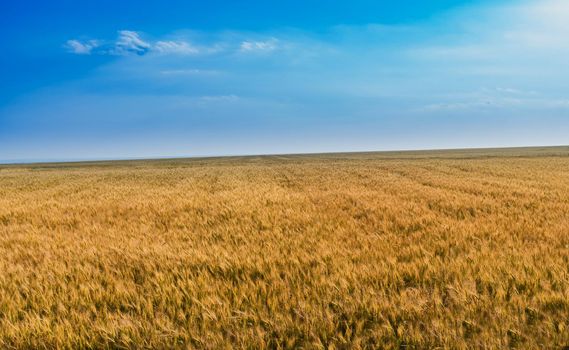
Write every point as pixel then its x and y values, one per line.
pixel 454 249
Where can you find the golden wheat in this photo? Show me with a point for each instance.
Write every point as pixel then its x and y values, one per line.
pixel 463 249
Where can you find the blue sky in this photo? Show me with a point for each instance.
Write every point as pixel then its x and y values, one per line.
pixel 107 79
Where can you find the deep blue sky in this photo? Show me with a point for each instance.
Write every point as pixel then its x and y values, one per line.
pixel 119 79
pixel 33 31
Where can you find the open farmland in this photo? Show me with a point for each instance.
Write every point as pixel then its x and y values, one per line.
pixel 451 249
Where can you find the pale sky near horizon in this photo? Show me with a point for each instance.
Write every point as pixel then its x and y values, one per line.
pixel 106 80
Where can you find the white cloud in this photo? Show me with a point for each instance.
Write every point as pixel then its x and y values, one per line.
pixel 515 30
pixel 513 91
pixel 499 102
pixel 81 48
pixel 220 98
pixel 175 47
pixel 130 42
pixel 189 72
pixel 259 46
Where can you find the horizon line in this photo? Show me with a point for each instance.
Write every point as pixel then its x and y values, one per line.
pixel 157 158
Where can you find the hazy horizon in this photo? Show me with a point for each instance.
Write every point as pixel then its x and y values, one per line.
pixel 198 156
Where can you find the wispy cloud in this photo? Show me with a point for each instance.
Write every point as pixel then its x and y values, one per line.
pixel 190 71
pixel 221 98
pixel 81 48
pixel 259 46
pixel 175 47
pixel 130 42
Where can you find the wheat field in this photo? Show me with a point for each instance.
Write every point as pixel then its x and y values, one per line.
pixel 402 250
